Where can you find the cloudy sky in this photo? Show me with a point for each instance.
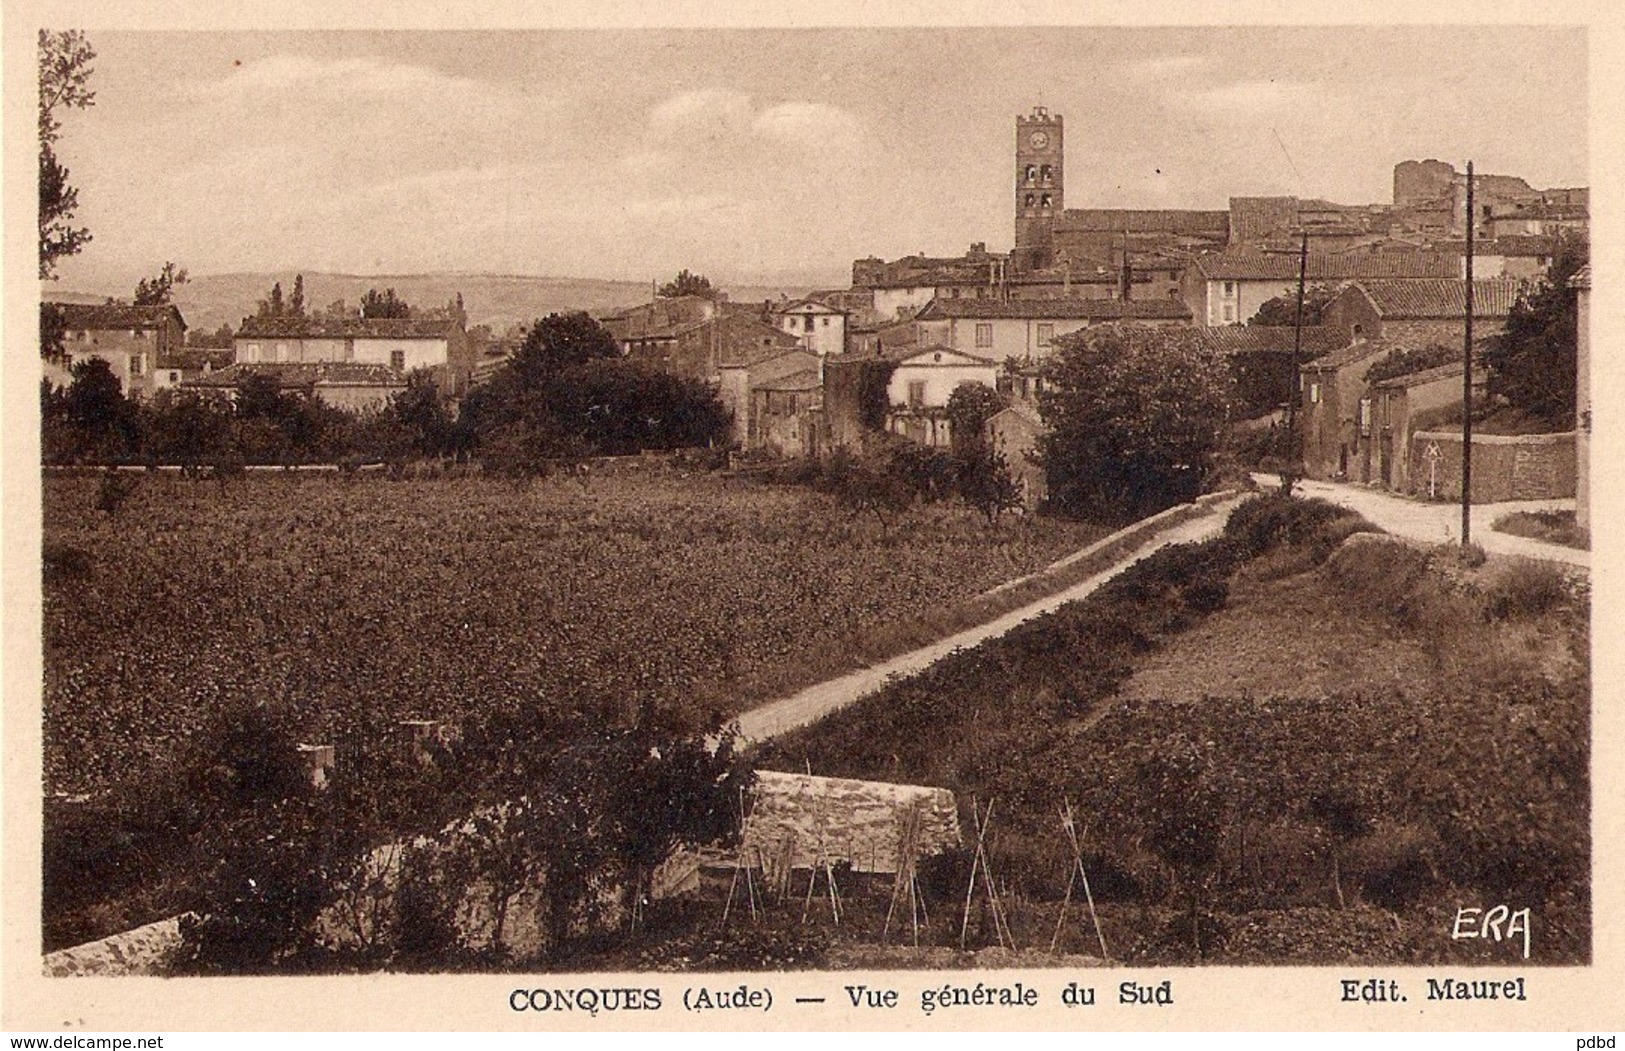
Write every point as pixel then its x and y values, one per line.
pixel 752 154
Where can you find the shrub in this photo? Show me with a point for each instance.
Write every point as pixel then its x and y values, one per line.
pixel 1275 520
pixel 1380 575
pixel 1525 590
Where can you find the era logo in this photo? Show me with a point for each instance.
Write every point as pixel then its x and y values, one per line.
pixel 1499 923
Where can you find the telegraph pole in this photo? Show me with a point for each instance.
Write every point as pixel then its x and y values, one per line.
pixel 1297 381
pixel 1467 379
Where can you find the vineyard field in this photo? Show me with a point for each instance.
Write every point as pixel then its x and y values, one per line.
pixel 358 602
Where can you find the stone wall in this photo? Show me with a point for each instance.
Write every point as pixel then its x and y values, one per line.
pixel 1505 467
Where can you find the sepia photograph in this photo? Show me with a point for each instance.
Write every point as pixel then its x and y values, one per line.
pixel 1110 500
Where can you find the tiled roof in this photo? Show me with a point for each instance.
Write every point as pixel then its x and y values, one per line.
pixel 1513 245
pixel 345 328
pixel 816 305
pixel 1025 409
pixel 806 379
pixel 1344 266
pixel 939 349
pixel 1416 379
pixel 304 374
pixel 87 316
pixel 1353 352
pixel 192 359
pixel 1422 300
pixel 1042 309
pixel 1144 220
pixel 1252 339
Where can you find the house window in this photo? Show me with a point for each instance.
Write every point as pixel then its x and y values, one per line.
pixel 1045 201
pixel 138 333
pixel 984 334
pixel 1314 393
pixel 809 322
pixel 174 377
pixel 1046 334
pixel 252 352
pixel 916 394
pixel 1229 290
pixel 282 352
pixel 1031 173
pixel 1044 174
pixel 824 321
pixel 135 364
pixel 1229 312
pixel 1031 200
pixel 397 360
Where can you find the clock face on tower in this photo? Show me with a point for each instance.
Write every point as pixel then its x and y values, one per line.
pixel 1038 139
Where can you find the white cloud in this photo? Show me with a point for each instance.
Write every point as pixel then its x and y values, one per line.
pixel 813 125
pixel 707 111
pixel 366 78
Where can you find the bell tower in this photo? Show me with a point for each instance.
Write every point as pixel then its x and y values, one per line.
pixel 1039 185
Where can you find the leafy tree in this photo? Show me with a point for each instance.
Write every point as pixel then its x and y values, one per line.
pixel 386 304
pixel 186 427
pixel 156 291
pixel 296 302
pixel 273 305
pixel 65 59
pixel 1135 416
pixel 52 331
pixel 421 414
pixel 861 485
pixel 969 408
pixel 1283 309
pixel 617 408
pixel 985 483
pixel 1533 362
pixel 104 422
pixel 558 341
pixel 687 284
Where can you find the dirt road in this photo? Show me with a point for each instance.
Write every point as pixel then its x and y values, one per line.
pixel 1430 523
pixel 815 702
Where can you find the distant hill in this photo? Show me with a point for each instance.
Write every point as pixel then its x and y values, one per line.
pixel 498 300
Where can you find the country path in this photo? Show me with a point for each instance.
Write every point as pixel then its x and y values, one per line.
pixel 815 702
pixel 1439 523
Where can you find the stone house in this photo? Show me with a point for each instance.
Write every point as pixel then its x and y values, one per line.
pixel 1332 388
pixel 434 342
pixel 355 385
pixel 1421 313
pixel 785 413
pixel 1026 329
pixel 1015 431
pixel 738 379
pixel 920 386
pixel 648 327
pixel 818 326
pixel 1261 359
pixel 177 366
pixel 1227 288
pixel 700 349
pixel 1394 410
pixel 130 339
